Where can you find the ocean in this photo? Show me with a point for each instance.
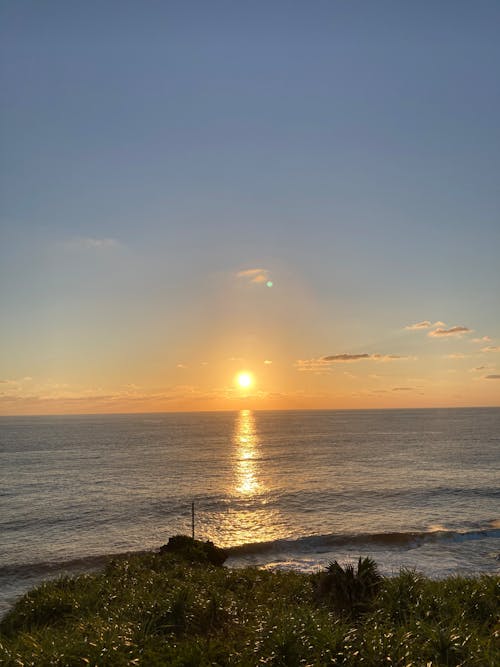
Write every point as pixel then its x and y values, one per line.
pixel 292 489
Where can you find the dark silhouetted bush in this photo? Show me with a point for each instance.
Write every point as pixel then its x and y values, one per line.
pixel 349 591
pixel 194 551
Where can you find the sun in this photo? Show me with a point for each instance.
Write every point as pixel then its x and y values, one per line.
pixel 244 380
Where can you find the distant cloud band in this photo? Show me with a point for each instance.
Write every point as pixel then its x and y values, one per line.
pixel 359 357
pixel 323 363
pixel 346 357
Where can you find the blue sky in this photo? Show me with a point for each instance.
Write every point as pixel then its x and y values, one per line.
pixel 152 151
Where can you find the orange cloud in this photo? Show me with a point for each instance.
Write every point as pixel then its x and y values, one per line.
pixel 257 276
pixel 347 357
pixel 452 331
pixel 426 324
pixel 419 325
pixel 324 363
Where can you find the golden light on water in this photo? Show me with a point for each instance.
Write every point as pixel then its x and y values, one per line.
pixel 246 442
pixel 253 521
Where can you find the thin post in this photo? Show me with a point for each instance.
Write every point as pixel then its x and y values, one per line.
pixel 192 520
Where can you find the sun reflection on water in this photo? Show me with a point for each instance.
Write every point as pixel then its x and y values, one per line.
pixel 250 517
pixel 246 445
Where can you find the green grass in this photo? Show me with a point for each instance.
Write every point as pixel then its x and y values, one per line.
pixel 155 610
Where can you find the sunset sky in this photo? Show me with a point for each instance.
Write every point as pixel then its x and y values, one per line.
pixel 304 191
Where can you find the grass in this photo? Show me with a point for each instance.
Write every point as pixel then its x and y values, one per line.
pixel 154 610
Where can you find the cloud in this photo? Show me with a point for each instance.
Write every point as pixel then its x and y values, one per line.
pixel 457 355
pixel 17 384
pixel 347 357
pixel 491 348
pixel 322 364
pixel 403 388
pixel 312 365
pixel 181 366
pixel 484 339
pixel 419 325
pixel 129 398
pixel 257 276
pixel 425 324
pixel 91 243
pixel 267 362
pixel 452 331
pixel 492 377
pixel 387 357
pixel 359 357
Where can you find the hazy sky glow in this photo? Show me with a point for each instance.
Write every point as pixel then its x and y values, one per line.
pixel 304 191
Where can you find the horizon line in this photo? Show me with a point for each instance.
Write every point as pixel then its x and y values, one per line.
pixel 196 412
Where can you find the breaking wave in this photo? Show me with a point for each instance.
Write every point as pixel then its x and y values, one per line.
pixel 303 545
pixel 318 543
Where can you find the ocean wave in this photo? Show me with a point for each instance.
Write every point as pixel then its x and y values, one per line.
pixel 315 543
pixel 74 565
pixel 310 544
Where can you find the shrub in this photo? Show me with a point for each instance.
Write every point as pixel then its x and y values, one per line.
pixel 194 551
pixel 348 591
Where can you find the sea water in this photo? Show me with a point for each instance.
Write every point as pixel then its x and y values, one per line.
pixel 294 489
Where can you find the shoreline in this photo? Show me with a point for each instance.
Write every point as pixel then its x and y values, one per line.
pixel 307 554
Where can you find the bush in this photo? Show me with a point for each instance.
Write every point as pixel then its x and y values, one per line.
pixel 194 551
pixel 348 591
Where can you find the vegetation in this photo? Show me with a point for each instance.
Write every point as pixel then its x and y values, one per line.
pixel 154 610
pixel 347 591
pixel 194 551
